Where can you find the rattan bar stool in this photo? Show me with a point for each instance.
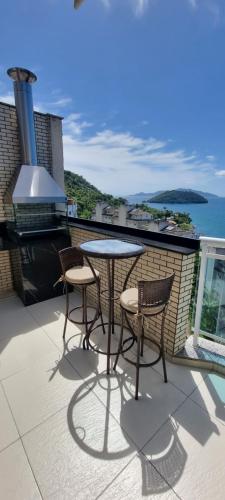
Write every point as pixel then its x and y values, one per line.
pixel 149 299
pixel 75 272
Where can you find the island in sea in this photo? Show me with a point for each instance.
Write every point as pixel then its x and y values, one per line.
pixel 178 196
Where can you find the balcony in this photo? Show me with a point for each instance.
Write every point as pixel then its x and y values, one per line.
pixel 69 431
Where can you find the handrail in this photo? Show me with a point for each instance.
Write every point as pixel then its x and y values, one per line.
pixel 209 241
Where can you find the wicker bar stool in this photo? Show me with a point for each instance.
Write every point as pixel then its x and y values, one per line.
pixel 75 272
pixel 149 299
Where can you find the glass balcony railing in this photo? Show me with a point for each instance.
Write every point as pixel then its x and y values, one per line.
pixel 210 307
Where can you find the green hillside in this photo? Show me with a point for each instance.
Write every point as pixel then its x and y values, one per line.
pixel 177 196
pixel 85 194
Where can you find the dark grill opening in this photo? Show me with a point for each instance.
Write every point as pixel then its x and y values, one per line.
pixel 35 262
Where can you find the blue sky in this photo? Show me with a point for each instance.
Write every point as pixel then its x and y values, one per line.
pixel 141 84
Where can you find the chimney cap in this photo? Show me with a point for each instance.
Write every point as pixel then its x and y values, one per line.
pixel 21 75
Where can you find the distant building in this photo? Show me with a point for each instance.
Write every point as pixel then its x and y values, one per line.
pixel 130 216
pixel 127 215
pixel 177 231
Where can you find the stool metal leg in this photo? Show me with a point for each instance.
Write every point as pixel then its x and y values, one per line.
pixel 99 307
pixel 112 294
pixel 67 311
pixel 101 318
pixel 83 303
pixel 162 347
pixel 110 325
pixel 137 365
pixel 120 340
pixel 142 340
pixel 98 313
pixel 85 308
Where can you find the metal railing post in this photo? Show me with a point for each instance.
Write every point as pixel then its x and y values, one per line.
pixel 200 293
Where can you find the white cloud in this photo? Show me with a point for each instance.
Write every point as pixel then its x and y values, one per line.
pixel 55 106
pixel 212 6
pixel 73 124
pixel 106 3
pixel 64 101
pixel 220 173
pixel 42 107
pixel 7 98
pixel 122 163
pixel 140 7
pixel 214 10
pixel 193 3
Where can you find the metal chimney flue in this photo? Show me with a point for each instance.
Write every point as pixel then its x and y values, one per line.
pixel 23 80
pixel 33 183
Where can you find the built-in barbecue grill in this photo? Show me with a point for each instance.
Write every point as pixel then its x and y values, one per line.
pixel 35 227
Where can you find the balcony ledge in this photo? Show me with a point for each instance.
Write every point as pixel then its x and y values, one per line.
pixel 185 246
pixel 209 355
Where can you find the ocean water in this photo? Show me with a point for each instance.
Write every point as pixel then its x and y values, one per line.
pixel 208 218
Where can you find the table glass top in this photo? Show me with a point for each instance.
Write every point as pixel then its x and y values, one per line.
pixel 112 247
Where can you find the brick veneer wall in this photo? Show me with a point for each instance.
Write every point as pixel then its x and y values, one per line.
pixel 10 161
pixel 155 263
pixel 6 284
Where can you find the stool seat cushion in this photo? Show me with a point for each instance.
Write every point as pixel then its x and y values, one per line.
pixel 79 275
pixel 129 301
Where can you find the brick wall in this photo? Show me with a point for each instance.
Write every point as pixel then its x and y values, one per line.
pixel 155 263
pixel 10 161
pixel 10 157
pixel 6 285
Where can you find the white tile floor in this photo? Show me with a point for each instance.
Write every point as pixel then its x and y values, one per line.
pixel 67 431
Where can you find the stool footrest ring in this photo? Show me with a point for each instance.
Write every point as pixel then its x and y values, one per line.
pixel 76 309
pixel 143 365
pixel 112 353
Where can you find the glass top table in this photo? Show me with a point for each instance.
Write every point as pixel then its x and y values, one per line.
pixel 110 250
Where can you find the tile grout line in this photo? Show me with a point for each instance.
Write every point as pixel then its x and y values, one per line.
pixel 54 343
pixel 139 450
pixel 115 477
pixel 12 374
pixel 10 409
pixel 43 329
pixel 21 436
pixel 48 418
pixel 31 468
pixel 8 445
pixel 165 421
pixel 179 389
pixel 152 437
pixel 160 474
pixel 20 439
pixel 126 466
pixel 214 417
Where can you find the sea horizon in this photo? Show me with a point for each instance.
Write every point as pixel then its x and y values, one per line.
pixel 208 218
